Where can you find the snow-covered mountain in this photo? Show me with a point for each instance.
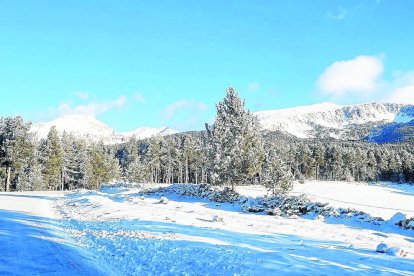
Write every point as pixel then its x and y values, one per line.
pixel 336 121
pixel 145 132
pixel 376 122
pixel 89 127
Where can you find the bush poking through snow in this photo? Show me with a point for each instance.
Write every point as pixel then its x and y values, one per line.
pixel 163 200
pixel 402 221
pixel 320 217
pixel 279 205
pixel 212 193
pixel 407 223
pixel 218 219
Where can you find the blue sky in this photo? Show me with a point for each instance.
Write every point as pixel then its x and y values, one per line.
pixel 157 63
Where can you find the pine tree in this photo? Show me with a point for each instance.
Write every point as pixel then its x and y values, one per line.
pixel 54 161
pixel 16 149
pixel 235 143
pixel 275 175
pixel 138 172
pixel 104 165
pixel 99 164
pixel 319 160
pixel 84 155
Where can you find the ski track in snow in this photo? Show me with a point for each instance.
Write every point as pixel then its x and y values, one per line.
pixel 124 233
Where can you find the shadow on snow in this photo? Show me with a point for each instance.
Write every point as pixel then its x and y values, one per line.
pixel 28 247
pixel 221 251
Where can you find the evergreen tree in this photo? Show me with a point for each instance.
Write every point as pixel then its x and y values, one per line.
pixel 16 149
pixel 235 143
pixel 54 161
pixel 274 175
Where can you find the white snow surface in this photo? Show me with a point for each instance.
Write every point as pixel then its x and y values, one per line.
pixel 130 233
pixel 85 126
pixel 31 240
pixel 302 121
pixel 145 132
pixel 379 199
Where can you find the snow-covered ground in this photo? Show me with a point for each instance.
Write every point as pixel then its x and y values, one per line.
pixel 135 233
pixel 379 199
pixel 32 240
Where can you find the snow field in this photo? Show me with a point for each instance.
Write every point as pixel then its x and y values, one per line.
pixel 380 199
pixel 136 234
pixel 124 231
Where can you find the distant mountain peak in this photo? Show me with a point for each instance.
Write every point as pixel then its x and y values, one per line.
pixel 86 126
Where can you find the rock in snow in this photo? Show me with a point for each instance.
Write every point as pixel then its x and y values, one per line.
pixel 163 200
pixel 382 248
pixel 217 219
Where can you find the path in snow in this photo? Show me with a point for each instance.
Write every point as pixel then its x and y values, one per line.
pixel 29 240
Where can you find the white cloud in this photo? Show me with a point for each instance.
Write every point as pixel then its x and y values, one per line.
pixel 139 97
pixel 93 108
pixel 358 75
pixel 171 110
pixel 253 87
pixel 403 95
pixel 82 95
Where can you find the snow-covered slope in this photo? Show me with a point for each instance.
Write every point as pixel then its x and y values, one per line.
pixel 77 124
pixel 145 132
pixel 89 127
pixel 336 121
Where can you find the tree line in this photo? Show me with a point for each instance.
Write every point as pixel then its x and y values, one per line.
pixel 232 151
pixel 56 163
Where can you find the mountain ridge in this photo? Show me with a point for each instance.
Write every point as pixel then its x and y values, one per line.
pixel 89 127
pixel 327 120
pixel 373 122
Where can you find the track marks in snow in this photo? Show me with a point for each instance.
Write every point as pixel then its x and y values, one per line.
pixel 140 236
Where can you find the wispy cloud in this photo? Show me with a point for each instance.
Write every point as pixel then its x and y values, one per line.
pixel 404 95
pixel 402 88
pixel 92 108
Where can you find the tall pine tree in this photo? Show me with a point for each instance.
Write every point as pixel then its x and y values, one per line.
pixel 235 143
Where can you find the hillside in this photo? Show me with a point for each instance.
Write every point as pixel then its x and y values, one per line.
pixel 345 122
